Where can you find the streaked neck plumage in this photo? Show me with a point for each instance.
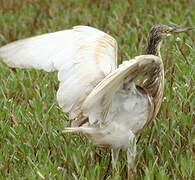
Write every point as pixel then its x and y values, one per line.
pixel 154 84
pixel 154 45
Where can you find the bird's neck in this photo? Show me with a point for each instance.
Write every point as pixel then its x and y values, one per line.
pixel 154 45
pixel 154 84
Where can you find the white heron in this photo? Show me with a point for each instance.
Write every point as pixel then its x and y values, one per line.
pixel 103 100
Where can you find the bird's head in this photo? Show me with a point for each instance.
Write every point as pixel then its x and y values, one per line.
pixel 158 33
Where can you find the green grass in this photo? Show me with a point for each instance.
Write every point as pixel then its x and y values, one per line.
pixel 31 143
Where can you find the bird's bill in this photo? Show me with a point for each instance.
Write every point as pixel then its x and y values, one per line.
pixel 181 29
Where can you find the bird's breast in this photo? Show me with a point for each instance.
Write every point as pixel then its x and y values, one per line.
pixel 128 114
pixel 129 111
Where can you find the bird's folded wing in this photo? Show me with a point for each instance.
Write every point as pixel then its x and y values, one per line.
pixel 83 56
pixel 103 93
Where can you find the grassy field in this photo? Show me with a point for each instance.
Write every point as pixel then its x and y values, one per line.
pixel 31 143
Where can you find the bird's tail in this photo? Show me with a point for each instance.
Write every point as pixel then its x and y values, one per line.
pixel 86 130
pixel 69 130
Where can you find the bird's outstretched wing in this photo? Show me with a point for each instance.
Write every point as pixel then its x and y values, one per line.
pixel 101 97
pixel 83 56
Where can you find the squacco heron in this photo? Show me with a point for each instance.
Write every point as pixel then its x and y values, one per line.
pixel 103 100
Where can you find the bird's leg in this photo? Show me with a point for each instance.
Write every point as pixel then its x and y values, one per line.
pixel 114 153
pixel 131 153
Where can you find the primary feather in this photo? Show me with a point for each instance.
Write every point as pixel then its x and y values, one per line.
pixel 83 56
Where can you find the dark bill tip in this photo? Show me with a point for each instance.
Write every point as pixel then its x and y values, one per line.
pixel 181 29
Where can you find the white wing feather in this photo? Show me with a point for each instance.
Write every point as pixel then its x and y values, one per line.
pixel 99 100
pixel 82 55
